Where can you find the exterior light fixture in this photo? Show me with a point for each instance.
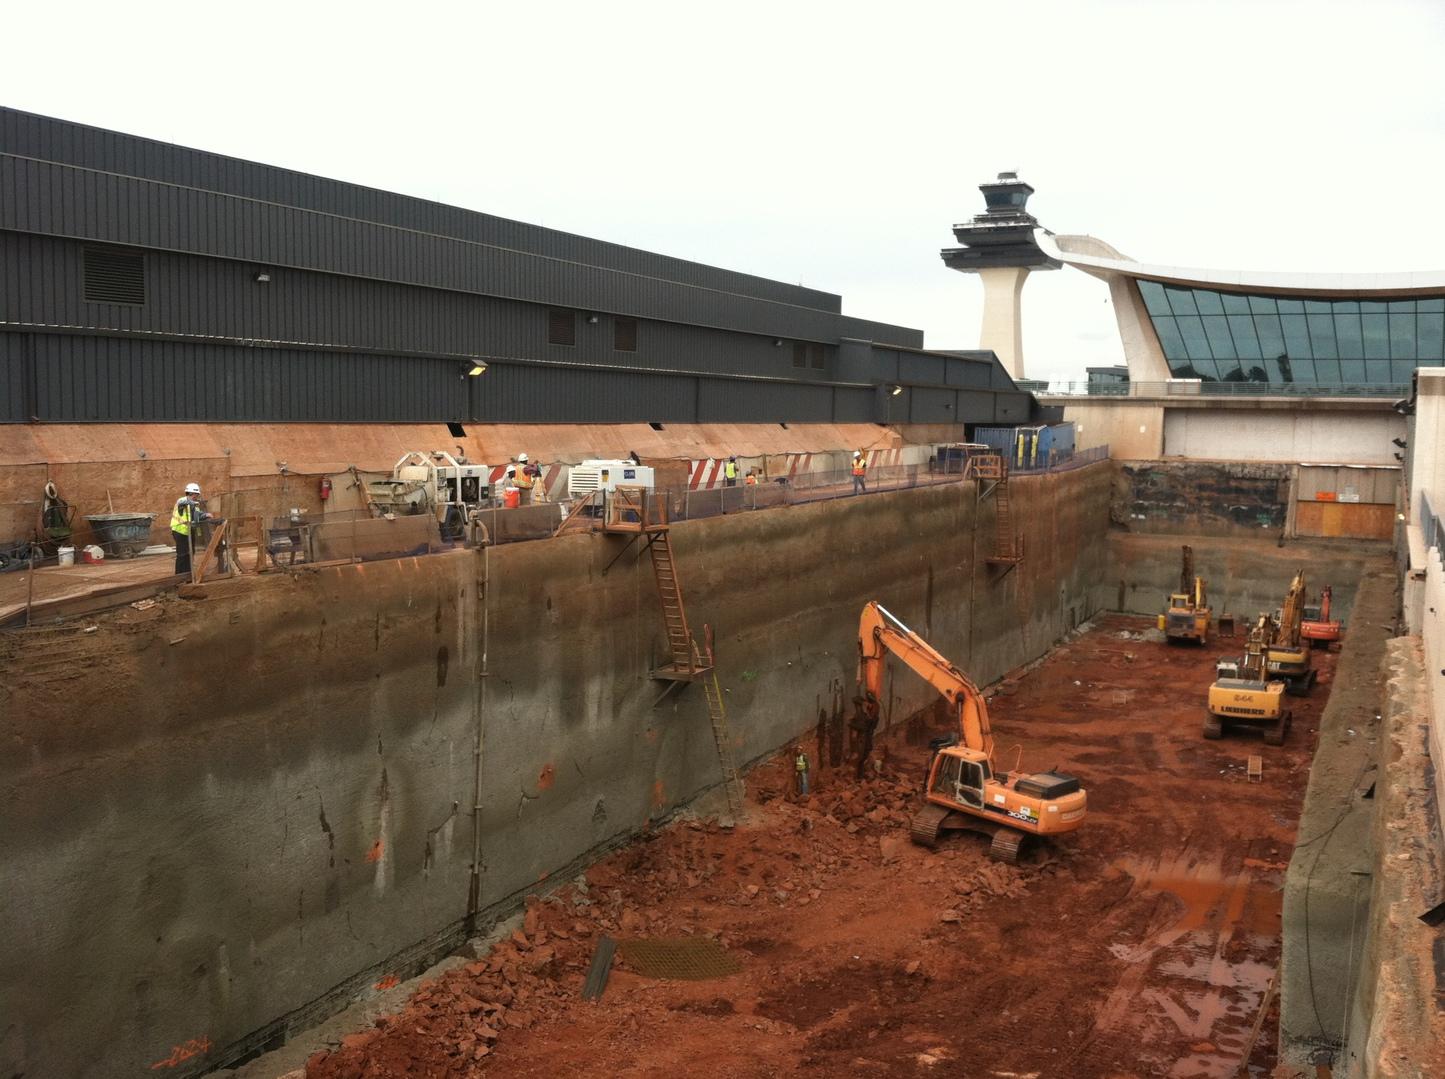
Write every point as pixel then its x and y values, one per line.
pixel 777 342
pixel 473 369
pixel 263 277
pixel 592 320
pixel 895 390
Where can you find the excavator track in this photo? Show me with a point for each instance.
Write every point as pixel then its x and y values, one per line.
pixel 926 825
pixel 933 820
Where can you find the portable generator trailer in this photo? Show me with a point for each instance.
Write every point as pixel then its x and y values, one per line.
pixel 454 489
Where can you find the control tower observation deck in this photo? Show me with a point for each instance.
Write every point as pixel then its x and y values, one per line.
pixel 999 246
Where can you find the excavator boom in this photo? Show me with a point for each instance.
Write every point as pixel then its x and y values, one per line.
pixel 880 633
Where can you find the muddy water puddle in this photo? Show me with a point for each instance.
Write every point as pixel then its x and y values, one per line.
pixel 1205 962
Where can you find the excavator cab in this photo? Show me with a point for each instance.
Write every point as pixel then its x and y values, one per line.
pixel 960 779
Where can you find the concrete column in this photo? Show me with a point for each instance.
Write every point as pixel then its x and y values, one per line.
pixel 1427 446
pixel 1002 328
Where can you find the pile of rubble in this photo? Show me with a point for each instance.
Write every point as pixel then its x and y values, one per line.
pixel 452 1023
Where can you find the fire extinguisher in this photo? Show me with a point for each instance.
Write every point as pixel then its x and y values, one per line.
pixel 325 488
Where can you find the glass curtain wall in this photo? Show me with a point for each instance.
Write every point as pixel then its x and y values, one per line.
pixel 1237 337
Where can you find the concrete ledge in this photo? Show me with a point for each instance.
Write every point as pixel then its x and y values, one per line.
pixel 1397 1029
pixel 1327 888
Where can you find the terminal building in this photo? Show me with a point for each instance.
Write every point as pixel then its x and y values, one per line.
pixel 1222 364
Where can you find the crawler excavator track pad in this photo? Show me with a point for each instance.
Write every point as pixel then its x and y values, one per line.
pixel 933 820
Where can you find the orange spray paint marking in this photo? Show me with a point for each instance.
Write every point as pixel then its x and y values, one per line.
pixel 182 1053
pixel 391 981
pixel 374 854
pixel 546 777
pixel 659 797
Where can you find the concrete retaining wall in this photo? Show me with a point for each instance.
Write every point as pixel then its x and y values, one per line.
pixel 230 815
pixel 1245 576
pixel 1327 887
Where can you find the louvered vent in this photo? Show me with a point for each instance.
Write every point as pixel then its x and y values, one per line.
pixel 114 276
pixel 624 335
pixel 561 327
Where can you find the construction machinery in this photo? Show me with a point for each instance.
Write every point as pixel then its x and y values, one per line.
pixel 1245 693
pixel 1187 618
pixel 964 791
pixel 1287 652
pixel 452 488
pixel 1316 627
pixel 589 476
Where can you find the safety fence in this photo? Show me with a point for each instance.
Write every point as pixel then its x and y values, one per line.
pixel 1075 460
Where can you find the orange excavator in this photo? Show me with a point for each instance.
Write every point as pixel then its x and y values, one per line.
pixel 964 792
pixel 1317 627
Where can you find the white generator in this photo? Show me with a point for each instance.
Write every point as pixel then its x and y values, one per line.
pixel 591 476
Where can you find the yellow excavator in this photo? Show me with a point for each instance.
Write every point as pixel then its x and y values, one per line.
pixel 1187 618
pixel 1288 652
pixel 964 792
pixel 1245 693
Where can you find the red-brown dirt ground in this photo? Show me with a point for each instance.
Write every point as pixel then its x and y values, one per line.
pixel 1141 945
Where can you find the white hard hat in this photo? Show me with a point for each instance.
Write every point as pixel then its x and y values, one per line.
pixel 511 471
pixel 193 488
pixel 521 458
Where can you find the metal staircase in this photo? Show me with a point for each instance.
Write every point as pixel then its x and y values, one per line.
pixel 639 513
pixel 991 472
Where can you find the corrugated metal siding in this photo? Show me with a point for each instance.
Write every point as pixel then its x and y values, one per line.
pixel 852 405
pixel 57 200
pixel 13 350
pixel 513 393
pixel 113 379
pixel 721 401
pixel 44 138
pixel 882 332
pixel 41 282
pixel 1377 485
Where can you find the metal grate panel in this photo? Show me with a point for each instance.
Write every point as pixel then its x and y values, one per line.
pixel 692 959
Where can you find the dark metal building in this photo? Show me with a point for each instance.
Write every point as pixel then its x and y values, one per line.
pixel 141 281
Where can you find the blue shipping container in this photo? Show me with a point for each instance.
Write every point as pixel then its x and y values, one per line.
pixel 1028 448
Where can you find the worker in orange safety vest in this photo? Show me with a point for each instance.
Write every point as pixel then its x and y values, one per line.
pixel 860 471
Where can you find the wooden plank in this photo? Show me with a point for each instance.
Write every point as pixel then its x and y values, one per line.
pixel 599 969
pixel 100 599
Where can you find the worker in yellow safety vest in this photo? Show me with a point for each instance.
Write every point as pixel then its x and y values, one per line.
pixel 525 478
pixel 860 471
pixel 730 472
pixel 185 515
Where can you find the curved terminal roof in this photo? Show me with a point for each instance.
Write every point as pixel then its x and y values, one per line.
pixel 1096 257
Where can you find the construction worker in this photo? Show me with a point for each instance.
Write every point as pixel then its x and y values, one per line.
pixel 533 471
pixel 730 472
pixel 800 768
pixel 751 480
pixel 860 471
pixel 525 477
pixel 185 515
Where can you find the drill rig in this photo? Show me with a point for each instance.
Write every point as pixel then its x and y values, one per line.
pixel 964 792
pixel 1187 618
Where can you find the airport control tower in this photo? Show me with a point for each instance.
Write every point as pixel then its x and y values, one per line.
pixel 999 246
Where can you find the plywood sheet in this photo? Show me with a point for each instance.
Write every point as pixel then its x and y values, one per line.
pixel 1349 520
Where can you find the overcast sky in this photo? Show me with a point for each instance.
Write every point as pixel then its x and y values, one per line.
pixel 831 144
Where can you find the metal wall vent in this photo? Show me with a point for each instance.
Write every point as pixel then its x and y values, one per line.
pixel 114 276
